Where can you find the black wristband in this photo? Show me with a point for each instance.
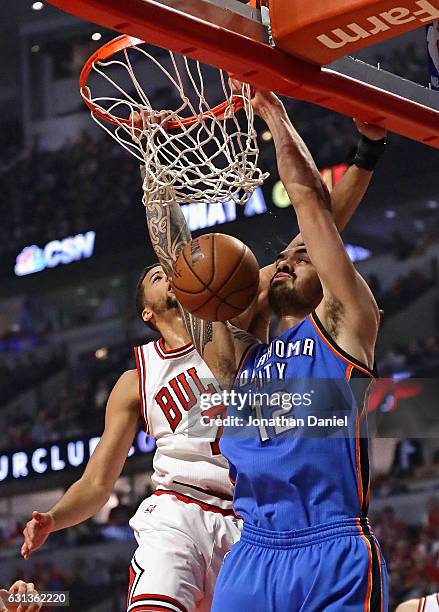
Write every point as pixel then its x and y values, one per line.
pixel 369 152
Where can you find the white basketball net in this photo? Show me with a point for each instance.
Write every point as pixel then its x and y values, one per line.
pixel 213 160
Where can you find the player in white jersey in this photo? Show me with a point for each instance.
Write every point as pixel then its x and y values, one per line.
pixel 425 604
pixel 185 528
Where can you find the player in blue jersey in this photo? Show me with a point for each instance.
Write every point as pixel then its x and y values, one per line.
pixel 306 543
pixel 298 445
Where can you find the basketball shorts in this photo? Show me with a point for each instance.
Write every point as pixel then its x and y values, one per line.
pixel 334 567
pixel 181 546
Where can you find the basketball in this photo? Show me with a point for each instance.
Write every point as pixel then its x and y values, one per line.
pixel 216 277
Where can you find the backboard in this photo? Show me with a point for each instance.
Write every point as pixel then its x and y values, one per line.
pixel 232 36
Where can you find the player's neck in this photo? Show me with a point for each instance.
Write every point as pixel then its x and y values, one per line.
pixel 173 331
pixel 289 321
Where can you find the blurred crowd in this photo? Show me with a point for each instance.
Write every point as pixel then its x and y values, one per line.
pixel 76 408
pixel 33 318
pixel 89 581
pixel 411 552
pixel 405 288
pixel 56 194
pixel 409 62
pixel 23 371
pixel 415 355
pixel 115 527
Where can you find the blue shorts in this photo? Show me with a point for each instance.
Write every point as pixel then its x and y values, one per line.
pixel 335 567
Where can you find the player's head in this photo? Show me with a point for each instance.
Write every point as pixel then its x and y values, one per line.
pixel 154 296
pixel 295 288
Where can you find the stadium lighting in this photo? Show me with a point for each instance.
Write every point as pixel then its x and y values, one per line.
pixel 390 214
pixel 101 353
pixel 432 204
pixel 35 48
pixel 37 6
pixel 96 36
pixel 266 136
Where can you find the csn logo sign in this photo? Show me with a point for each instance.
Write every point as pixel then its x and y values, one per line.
pixel 34 259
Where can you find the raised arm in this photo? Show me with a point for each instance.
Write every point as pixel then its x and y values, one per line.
pixel 87 495
pixel 345 199
pixel 348 310
pixel 217 343
pixel 350 191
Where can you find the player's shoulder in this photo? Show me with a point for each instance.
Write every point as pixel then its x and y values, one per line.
pixel 408 606
pixel 128 377
pixel 145 345
pixel 127 386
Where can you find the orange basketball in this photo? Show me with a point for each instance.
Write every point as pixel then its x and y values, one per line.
pixel 216 277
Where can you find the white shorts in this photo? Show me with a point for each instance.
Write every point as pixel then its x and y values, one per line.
pixel 181 548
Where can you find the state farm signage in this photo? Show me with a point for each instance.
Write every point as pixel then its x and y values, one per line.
pixel 423 12
pixel 321 32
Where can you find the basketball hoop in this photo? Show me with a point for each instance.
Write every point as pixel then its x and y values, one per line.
pixel 197 152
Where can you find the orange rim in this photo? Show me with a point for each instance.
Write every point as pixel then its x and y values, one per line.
pixel 126 42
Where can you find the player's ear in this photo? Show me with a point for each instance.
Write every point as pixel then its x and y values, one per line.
pixel 147 314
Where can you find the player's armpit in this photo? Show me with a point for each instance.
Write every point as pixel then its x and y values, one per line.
pixel 348 310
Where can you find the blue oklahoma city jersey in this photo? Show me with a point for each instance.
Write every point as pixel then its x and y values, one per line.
pixel 297 443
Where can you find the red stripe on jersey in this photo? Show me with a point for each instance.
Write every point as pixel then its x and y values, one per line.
pixel 190 500
pixel 162 598
pixel 141 371
pixel 211 493
pixel 165 353
pixel 132 576
pixel 145 607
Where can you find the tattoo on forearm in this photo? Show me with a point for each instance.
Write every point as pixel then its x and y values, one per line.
pixel 169 233
pixel 200 331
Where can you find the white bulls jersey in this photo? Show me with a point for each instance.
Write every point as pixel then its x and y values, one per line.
pixel 429 604
pixel 187 459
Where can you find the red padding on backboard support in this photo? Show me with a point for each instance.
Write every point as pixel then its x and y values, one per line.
pixel 325 30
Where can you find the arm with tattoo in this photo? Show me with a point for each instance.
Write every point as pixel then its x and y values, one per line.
pixel 169 233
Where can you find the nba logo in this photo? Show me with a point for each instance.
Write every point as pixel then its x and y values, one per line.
pixel 150 508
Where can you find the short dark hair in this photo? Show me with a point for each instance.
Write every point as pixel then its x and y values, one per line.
pixel 140 295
